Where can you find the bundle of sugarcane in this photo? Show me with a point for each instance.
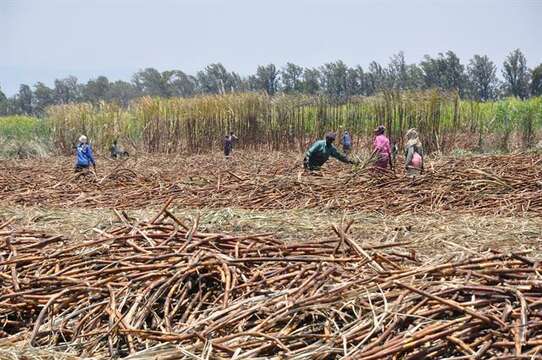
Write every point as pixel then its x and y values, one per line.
pixel 140 285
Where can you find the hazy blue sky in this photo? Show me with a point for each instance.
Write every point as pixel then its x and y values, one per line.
pixel 41 40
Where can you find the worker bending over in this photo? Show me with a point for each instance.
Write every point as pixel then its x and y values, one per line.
pixel 84 156
pixel 321 150
pixel 117 151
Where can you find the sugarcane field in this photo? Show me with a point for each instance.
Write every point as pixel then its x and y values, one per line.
pixel 201 180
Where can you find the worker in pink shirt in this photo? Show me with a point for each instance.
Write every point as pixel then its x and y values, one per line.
pixel 382 149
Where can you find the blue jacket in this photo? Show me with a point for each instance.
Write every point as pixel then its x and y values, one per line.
pixel 347 139
pixel 84 155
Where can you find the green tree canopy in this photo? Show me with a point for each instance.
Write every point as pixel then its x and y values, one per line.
pixel 516 75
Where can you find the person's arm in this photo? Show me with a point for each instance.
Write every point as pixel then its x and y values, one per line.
pixel 340 156
pixel 409 155
pixel 91 156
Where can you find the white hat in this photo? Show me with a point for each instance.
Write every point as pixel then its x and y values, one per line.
pixel 83 139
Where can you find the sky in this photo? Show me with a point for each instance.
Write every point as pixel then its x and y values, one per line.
pixel 41 40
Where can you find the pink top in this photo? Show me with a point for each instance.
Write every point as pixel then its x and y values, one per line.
pixel 382 146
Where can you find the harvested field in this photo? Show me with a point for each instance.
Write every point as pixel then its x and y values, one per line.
pixel 139 286
pixel 505 184
pixel 203 258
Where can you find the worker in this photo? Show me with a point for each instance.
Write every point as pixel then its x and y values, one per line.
pixel 229 140
pixel 382 149
pixel 319 152
pixel 117 151
pixel 84 155
pixel 413 153
pixel 347 142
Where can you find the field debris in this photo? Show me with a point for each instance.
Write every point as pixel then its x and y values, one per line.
pixel 500 184
pixel 164 286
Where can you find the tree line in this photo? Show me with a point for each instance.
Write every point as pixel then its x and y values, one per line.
pixel 476 80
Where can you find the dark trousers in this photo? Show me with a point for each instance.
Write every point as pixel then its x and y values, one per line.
pixel 79 168
pixel 227 150
pixel 308 166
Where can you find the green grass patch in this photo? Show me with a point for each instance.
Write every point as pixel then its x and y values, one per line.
pixel 24 137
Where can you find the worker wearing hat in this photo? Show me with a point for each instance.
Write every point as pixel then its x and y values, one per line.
pixel 319 152
pixel 84 155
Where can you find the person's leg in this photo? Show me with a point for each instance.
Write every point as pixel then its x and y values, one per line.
pixel 382 163
pixel 80 168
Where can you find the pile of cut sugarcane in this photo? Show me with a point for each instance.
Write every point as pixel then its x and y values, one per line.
pixel 141 285
pixel 498 184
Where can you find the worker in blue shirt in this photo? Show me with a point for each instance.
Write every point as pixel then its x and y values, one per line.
pixel 84 157
pixel 347 142
pixel 321 150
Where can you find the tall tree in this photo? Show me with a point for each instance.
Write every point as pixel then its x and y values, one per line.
pixel 397 71
pixel 267 78
pixel 44 96
pixel 122 92
pixel 454 75
pixel 354 81
pixel 3 104
pixel 215 79
pixel 516 75
pixel 24 100
pixel 67 90
pixel 482 78
pixel 181 84
pixel 292 78
pixel 375 78
pixel 432 69
pixel 445 72
pixel 414 77
pixel 536 81
pixel 334 79
pixel 151 82
pixel 311 81
pixel 96 90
